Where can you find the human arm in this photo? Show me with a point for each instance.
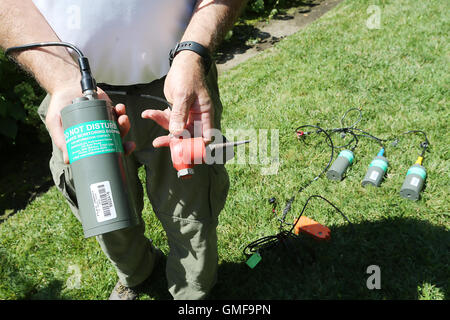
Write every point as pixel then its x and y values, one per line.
pixel 185 88
pixel 52 67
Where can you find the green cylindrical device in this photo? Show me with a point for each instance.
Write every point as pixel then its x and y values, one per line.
pixel 337 169
pixel 413 184
pixel 95 154
pixel 377 170
pixel 96 158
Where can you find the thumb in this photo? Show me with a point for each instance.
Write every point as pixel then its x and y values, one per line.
pixel 56 131
pixel 65 155
pixel 163 141
pixel 60 142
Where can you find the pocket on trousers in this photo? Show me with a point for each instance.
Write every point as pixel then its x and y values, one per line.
pixel 219 186
pixel 62 176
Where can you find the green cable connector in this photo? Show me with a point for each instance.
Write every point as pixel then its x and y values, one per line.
pixel 254 260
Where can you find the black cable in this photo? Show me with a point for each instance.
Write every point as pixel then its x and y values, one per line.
pixel 318 196
pixel 88 83
pixel 368 135
pixel 273 240
pixel 425 144
pixel 356 132
pixel 343 130
pixel 288 205
pixel 357 120
pixel 319 130
pixel 8 51
pixel 350 130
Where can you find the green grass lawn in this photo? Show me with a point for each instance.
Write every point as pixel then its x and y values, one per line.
pixel 399 76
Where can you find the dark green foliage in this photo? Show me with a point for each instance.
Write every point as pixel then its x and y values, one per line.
pixel 269 8
pixel 20 96
pixel 256 6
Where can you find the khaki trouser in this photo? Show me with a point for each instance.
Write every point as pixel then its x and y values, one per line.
pixel 188 209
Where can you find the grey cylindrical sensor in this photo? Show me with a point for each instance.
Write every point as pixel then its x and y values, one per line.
pixel 96 158
pixel 337 169
pixel 413 184
pixel 375 173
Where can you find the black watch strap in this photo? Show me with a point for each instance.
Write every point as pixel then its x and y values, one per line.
pixel 192 46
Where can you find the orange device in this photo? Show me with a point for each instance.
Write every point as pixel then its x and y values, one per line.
pixel 311 227
pixel 186 153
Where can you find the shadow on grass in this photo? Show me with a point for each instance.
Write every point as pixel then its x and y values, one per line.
pixel 22 286
pixel 244 37
pixel 410 254
pixel 51 292
pixel 24 173
pixel 156 286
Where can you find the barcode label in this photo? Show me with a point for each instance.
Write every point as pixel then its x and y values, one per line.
pixel 415 181
pixel 374 175
pixel 103 201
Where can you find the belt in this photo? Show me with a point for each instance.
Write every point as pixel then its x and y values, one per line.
pixel 132 90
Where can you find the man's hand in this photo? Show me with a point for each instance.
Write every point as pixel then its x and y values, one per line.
pixel 185 86
pixel 62 97
pixel 185 89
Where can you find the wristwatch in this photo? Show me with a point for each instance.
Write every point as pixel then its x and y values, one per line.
pixel 192 46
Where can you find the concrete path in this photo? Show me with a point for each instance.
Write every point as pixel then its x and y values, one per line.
pixel 274 31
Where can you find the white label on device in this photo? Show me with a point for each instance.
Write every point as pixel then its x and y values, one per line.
pixel 374 175
pixel 415 181
pixel 103 201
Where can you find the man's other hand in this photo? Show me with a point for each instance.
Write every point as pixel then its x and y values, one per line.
pixel 185 89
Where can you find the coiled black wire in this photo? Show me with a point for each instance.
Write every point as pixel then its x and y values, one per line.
pixel 351 130
pixel 274 240
pixel 283 234
pixel 424 145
